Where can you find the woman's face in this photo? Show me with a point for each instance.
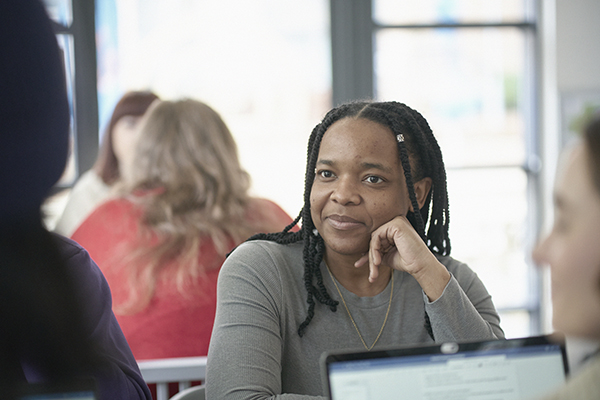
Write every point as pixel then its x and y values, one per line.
pixel 124 136
pixel 359 185
pixel 572 250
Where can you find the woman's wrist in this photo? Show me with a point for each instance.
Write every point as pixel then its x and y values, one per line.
pixel 433 279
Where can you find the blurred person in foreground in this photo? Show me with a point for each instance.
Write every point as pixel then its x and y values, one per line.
pixel 56 322
pixel 185 204
pixel 572 252
pixel 94 186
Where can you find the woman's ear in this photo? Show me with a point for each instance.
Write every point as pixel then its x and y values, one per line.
pixel 422 189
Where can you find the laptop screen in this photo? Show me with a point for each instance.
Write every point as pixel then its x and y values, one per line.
pixel 499 370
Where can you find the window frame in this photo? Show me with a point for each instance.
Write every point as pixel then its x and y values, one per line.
pixel 352 42
pixel 84 95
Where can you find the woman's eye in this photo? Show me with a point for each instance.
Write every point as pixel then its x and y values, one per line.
pixel 326 174
pixel 374 179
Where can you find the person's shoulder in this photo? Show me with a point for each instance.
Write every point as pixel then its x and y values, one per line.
pixel 90 283
pixel 267 248
pixel 68 248
pixel 116 207
pixel 268 207
pixel 123 203
pixel 259 202
pixel 264 261
pixel 587 379
pixel 76 259
pixel 267 216
pixel 89 187
pixel 265 257
pixel 108 225
pixel 88 192
pixel 90 177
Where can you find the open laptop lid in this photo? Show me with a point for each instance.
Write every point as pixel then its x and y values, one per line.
pixel 498 369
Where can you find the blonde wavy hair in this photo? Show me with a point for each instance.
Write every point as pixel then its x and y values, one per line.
pixel 187 167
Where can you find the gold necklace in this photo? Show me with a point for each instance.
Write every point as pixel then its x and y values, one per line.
pixel 350 315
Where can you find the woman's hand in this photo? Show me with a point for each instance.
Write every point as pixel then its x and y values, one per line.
pixel 397 245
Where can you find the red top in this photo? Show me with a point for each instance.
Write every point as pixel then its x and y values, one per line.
pixel 172 325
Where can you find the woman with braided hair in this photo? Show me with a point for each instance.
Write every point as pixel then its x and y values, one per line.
pixel 365 270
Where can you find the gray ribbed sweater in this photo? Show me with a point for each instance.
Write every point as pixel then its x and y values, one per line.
pixel 256 353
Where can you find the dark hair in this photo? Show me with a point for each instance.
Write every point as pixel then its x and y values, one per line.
pixel 420 156
pixel 132 103
pixel 591 137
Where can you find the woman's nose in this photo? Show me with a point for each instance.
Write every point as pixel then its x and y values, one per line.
pixel 346 192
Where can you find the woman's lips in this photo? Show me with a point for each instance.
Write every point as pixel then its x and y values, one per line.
pixel 343 222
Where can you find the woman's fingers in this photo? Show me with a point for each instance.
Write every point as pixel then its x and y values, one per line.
pixel 381 243
pixel 386 244
pixel 361 261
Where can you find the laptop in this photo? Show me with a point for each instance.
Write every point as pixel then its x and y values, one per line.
pixel 488 370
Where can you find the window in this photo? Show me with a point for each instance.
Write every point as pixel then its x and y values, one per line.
pixel 263 65
pixel 467 66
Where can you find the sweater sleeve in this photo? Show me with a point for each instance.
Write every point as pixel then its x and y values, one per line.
pixel 245 354
pixel 120 377
pixel 465 311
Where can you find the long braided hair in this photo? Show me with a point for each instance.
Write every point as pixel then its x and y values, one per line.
pixel 420 156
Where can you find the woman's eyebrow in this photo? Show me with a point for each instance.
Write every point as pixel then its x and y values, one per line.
pixel 364 165
pixel 378 166
pixel 325 162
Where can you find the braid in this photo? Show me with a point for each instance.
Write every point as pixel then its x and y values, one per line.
pixel 313 243
pixel 427 159
pixel 420 157
pixel 438 238
pixel 420 225
pixel 384 112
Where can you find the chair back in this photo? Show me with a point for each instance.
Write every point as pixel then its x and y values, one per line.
pixel 192 393
pixel 183 370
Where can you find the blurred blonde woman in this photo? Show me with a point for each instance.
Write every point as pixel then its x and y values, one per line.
pixel 184 206
pixel 94 186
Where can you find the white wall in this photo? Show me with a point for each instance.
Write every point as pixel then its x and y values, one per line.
pixel 578 45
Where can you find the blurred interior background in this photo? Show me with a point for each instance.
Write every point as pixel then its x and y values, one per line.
pixel 504 85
